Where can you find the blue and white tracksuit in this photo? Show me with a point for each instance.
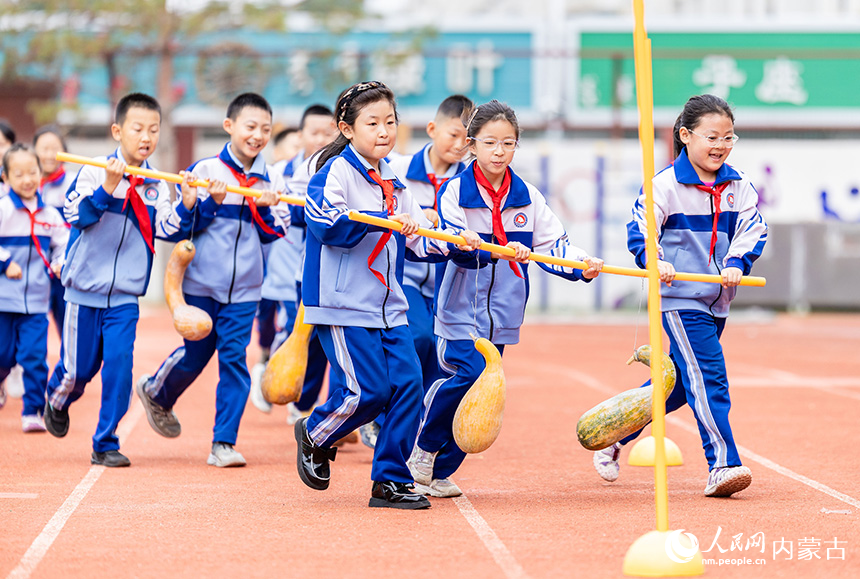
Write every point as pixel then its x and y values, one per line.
pixel 107 268
pixel 24 302
pixel 419 278
pixel 694 313
pixel 476 294
pixel 361 321
pixel 54 194
pixel 224 280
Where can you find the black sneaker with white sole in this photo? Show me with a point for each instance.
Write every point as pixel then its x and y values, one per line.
pixel 110 458
pixel 312 461
pixel 56 421
pixel 395 495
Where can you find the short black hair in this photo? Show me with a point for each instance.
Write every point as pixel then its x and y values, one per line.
pixel 455 107
pixel 135 99
pixel 315 110
pixel 53 130
pixel 245 100
pixel 7 130
pixel 283 134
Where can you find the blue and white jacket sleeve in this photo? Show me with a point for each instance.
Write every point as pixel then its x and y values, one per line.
pixel 5 255
pixel 550 238
pixel 59 240
pixel 326 211
pixel 452 219
pixel 750 232
pixel 172 220
pixel 86 199
pixel 637 228
pixel 277 220
pixel 421 248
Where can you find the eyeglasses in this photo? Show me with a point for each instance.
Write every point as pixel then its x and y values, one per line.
pixel 492 144
pixel 714 141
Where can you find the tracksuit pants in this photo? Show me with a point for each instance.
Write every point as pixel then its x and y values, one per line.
pixel 420 317
pixel 24 341
pixel 92 336
pixel 266 329
pixel 58 303
pixel 461 364
pixel 317 362
pixel 371 370
pixel 701 382
pixel 230 336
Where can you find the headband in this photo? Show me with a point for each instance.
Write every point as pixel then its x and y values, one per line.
pixel 352 92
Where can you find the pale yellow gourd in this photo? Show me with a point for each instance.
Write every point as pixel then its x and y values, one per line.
pixel 478 419
pixel 625 413
pixel 191 322
pixel 285 373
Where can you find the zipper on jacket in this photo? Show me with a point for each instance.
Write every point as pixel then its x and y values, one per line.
pixel 489 294
pixel 116 259
pixel 235 252
pixel 388 283
pixel 714 257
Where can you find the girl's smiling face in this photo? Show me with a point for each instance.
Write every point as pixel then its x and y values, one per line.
pixel 23 174
pixel 494 160
pixel 707 160
pixel 374 131
pixel 47 148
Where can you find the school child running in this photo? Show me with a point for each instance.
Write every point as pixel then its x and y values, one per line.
pixel 476 294
pixel 114 219
pixel 707 223
pixel 33 239
pixel 352 292
pixel 283 265
pixel 224 278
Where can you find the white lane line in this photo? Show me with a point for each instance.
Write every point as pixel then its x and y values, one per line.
pixel 494 545
pixel 40 545
pixel 595 384
pixel 19 496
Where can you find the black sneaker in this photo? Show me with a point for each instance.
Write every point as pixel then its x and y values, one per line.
pixel 56 421
pixel 396 495
pixel 111 458
pixel 312 460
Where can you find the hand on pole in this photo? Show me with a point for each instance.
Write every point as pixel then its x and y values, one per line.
pixel 410 226
pixel 268 199
pixel 666 270
pixel 189 192
pixel 115 170
pixel 522 252
pixel 595 265
pixel 473 240
pixel 217 190
pixel 731 277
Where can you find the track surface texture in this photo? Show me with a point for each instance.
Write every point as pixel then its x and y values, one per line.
pixel 533 504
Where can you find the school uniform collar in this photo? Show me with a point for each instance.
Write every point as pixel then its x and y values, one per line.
pixel 470 196
pixel 145 165
pixel 420 166
pixel 363 166
pixel 686 174
pixel 293 164
pixel 19 203
pixel 258 167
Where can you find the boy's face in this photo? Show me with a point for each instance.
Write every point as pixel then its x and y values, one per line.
pixel 449 139
pixel 319 131
pixel 138 134
pixel 249 133
pixel 288 148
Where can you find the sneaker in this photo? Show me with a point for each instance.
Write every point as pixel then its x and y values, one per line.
pixel 294 414
pixel 257 399
pixel 442 488
pixel 727 480
pixel 32 423
pixel 15 382
pixel 162 420
pixel 606 462
pixel 56 421
pixel 396 496
pixel 420 464
pixel 312 461
pixel 224 455
pixel 110 458
pixel 369 433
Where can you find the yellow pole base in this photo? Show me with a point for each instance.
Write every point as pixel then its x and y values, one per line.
pixel 664 554
pixel 642 453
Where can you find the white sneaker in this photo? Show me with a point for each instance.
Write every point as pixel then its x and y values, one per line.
pixel 224 455
pixel 257 399
pixel 15 382
pixel 439 487
pixel 369 433
pixel 420 464
pixel 727 480
pixel 2 393
pixel 294 414
pixel 33 423
pixel 606 462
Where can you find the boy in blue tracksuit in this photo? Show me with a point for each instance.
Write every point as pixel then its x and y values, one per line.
pixel 114 218
pixel 224 278
pixel 33 238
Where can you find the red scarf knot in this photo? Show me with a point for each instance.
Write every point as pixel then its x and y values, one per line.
pixel 139 208
pixel 248 182
pixel 497 196
pixel 387 186
pixel 717 192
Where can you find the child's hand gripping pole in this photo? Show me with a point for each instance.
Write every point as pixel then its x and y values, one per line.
pixel 549 259
pixel 172 177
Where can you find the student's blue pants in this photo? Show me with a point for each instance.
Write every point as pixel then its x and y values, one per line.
pixel 371 370
pixel 701 381
pixel 461 364
pixel 315 372
pixel 24 341
pixel 92 336
pixel 230 336
pixel 420 317
pixel 58 303
pixel 266 322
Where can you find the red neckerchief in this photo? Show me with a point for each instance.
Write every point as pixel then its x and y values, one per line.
pixel 33 223
pixel 255 213
pixel 497 196
pixel 717 192
pixel 139 208
pixel 436 185
pixel 388 193
pixel 54 177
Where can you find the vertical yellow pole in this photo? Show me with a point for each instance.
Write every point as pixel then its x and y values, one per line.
pixel 645 99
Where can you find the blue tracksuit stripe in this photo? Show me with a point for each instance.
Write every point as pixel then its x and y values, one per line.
pixel 347 408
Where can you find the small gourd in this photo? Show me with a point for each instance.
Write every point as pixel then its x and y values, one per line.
pixel 285 373
pixel 191 322
pixel 478 419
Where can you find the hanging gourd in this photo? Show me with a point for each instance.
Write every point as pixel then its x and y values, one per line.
pixel 285 372
pixel 191 322
pixel 478 419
